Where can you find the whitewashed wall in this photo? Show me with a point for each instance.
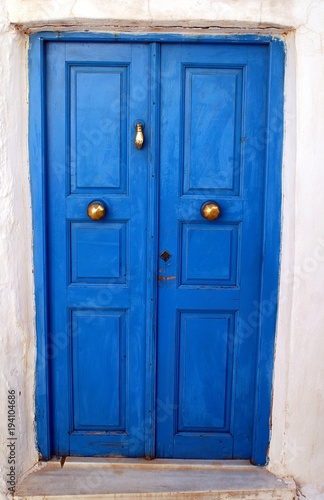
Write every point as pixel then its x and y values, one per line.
pixel 17 330
pixel 297 444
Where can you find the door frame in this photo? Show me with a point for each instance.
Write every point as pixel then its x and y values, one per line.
pixel 271 138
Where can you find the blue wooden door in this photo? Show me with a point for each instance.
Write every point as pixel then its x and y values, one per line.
pixel 212 101
pixel 213 108
pixel 95 94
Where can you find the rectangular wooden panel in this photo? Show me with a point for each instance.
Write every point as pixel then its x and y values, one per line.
pixel 98 128
pixel 209 254
pixel 98 252
pixel 205 371
pixel 99 360
pixel 212 130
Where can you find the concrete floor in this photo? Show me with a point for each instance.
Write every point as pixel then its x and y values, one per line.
pixel 123 479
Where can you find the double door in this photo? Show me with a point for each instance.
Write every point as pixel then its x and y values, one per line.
pixel 154 252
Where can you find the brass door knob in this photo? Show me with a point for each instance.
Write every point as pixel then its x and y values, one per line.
pixel 96 210
pixel 210 210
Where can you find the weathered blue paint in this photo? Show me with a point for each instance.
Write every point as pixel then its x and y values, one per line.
pixel 95 94
pixel 37 179
pixel 271 254
pixel 204 139
pixel 152 250
pixel 156 37
pixel 211 123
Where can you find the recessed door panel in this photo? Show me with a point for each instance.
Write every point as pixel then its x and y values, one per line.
pixel 209 254
pixel 211 120
pixel 99 101
pixel 98 252
pixel 205 367
pixel 99 370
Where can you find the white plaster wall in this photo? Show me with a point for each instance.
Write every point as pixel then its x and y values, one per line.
pixel 297 444
pixel 232 12
pixel 17 332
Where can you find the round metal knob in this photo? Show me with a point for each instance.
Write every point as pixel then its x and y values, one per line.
pixel 96 210
pixel 210 210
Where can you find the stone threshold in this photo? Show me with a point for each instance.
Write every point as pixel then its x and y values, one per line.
pixel 123 479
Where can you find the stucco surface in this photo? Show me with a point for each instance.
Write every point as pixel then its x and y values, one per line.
pixel 297 444
pixel 17 332
pixel 291 12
